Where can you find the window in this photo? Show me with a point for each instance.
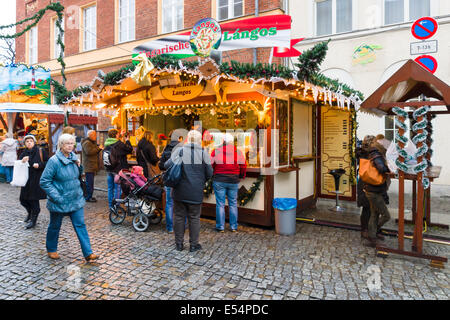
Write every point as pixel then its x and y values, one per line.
pixel 228 9
pixel 126 20
pixel 172 15
pixel 389 128
pixel 89 28
pixel 333 16
pixel 398 11
pixel 57 48
pixel 32 46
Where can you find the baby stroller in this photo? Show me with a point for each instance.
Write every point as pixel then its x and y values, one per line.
pixel 142 199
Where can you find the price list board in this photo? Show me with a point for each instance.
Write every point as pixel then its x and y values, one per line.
pixel 335 150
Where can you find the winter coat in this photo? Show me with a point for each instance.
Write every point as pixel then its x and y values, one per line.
pixel 380 164
pixel 60 180
pixel 361 199
pixel 9 149
pixel 228 163
pixel 90 152
pixel 167 153
pixel 146 153
pixel 32 190
pixel 121 149
pixel 196 170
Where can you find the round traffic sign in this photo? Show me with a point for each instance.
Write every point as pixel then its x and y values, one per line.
pixel 428 62
pixel 424 28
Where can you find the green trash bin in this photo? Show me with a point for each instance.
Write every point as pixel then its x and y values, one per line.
pixel 285 215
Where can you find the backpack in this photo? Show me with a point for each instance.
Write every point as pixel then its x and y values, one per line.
pixel 369 173
pixel 172 176
pixel 110 158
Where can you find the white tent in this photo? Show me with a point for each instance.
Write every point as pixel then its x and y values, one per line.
pixel 30 108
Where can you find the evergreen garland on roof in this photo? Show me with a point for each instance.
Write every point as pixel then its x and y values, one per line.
pixel 308 67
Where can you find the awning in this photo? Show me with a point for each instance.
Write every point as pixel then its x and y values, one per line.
pixel 30 108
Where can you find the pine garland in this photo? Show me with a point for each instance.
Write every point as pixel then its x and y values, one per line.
pixel 59 9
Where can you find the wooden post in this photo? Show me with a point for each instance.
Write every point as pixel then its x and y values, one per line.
pixel 417 239
pixel 414 201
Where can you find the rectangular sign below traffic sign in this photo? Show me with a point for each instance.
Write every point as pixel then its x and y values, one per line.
pixel 424 47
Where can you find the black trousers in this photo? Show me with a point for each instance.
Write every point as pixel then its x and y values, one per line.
pixel 365 216
pixel 32 206
pixel 181 210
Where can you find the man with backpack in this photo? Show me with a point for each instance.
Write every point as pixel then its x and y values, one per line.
pixel 114 160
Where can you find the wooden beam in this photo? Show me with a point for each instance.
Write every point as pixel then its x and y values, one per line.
pixel 381 249
pixel 4 123
pixel 411 104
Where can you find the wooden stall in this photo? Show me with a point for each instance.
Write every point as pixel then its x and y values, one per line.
pixel 278 123
pixel 413 93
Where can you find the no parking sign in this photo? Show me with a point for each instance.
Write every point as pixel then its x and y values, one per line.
pixel 428 62
pixel 424 28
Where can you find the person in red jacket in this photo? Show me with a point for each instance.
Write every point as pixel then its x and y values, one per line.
pixel 229 167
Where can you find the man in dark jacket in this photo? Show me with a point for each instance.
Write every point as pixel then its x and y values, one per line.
pixel 377 194
pixel 90 151
pixel 175 139
pixel 121 149
pixel 188 194
pixel 146 153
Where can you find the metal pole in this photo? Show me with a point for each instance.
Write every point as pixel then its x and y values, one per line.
pixel 256 14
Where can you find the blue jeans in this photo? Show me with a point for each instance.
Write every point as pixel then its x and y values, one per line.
pixel 79 226
pixel 89 184
pixel 169 209
pixel 8 174
pixel 222 191
pixel 114 190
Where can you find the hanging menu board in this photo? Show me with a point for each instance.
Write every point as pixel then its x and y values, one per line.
pixel 335 150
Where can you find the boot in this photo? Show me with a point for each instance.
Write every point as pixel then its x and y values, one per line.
pixel 33 220
pixel 28 218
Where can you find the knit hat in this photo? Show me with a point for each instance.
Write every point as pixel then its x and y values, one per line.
pixel 29 137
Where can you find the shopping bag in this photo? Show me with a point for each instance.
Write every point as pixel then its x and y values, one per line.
pixel 369 173
pixel 20 173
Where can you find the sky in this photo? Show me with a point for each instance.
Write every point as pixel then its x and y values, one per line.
pixel 7 12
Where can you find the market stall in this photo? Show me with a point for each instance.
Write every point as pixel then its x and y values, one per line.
pixel 278 122
pixel 414 94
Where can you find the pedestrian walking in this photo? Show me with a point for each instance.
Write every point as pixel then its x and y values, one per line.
pixel 9 148
pixel 117 147
pixel 362 201
pixel 377 194
pixel 229 167
pixel 60 180
pixel 146 155
pixel 188 194
pixel 90 151
pixel 175 140
pixel 31 193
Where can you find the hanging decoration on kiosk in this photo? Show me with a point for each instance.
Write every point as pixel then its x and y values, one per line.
pixel 139 75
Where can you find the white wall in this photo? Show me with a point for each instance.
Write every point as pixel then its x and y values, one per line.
pixel 395 42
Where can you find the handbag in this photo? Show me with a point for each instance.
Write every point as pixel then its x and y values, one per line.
pixel 369 173
pixel 83 184
pixel 172 176
pixel 153 170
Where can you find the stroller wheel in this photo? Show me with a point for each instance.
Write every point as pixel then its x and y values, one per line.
pixel 156 216
pixel 117 214
pixel 141 222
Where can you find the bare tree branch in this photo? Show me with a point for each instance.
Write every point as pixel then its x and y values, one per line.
pixel 8 52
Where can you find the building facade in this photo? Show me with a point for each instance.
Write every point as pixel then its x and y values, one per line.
pixel 101 34
pixel 370 40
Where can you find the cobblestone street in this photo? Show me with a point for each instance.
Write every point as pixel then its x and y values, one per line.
pixel 317 263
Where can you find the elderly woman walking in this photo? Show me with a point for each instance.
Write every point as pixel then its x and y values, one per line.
pixel 60 180
pixel 31 193
pixel 9 149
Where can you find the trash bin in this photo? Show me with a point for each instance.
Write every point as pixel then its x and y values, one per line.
pixel 285 215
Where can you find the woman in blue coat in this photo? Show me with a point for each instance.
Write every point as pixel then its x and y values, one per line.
pixel 60 180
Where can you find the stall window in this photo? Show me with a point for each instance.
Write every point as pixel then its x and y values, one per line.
pixel 90 28
pixel 282 124
pixel 172 15
pixel 228 9
pixel 126 20
pixel 333 16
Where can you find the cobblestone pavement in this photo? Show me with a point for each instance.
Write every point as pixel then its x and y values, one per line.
pixel 317 263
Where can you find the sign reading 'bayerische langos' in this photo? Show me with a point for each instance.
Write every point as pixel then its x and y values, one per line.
pixel 259 32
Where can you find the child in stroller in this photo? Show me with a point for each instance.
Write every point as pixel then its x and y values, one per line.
pixel 142 199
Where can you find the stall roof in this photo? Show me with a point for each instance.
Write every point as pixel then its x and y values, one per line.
pixel 409 82
pixel 30 108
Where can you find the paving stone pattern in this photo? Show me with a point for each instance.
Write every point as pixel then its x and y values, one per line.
pixel 255 263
